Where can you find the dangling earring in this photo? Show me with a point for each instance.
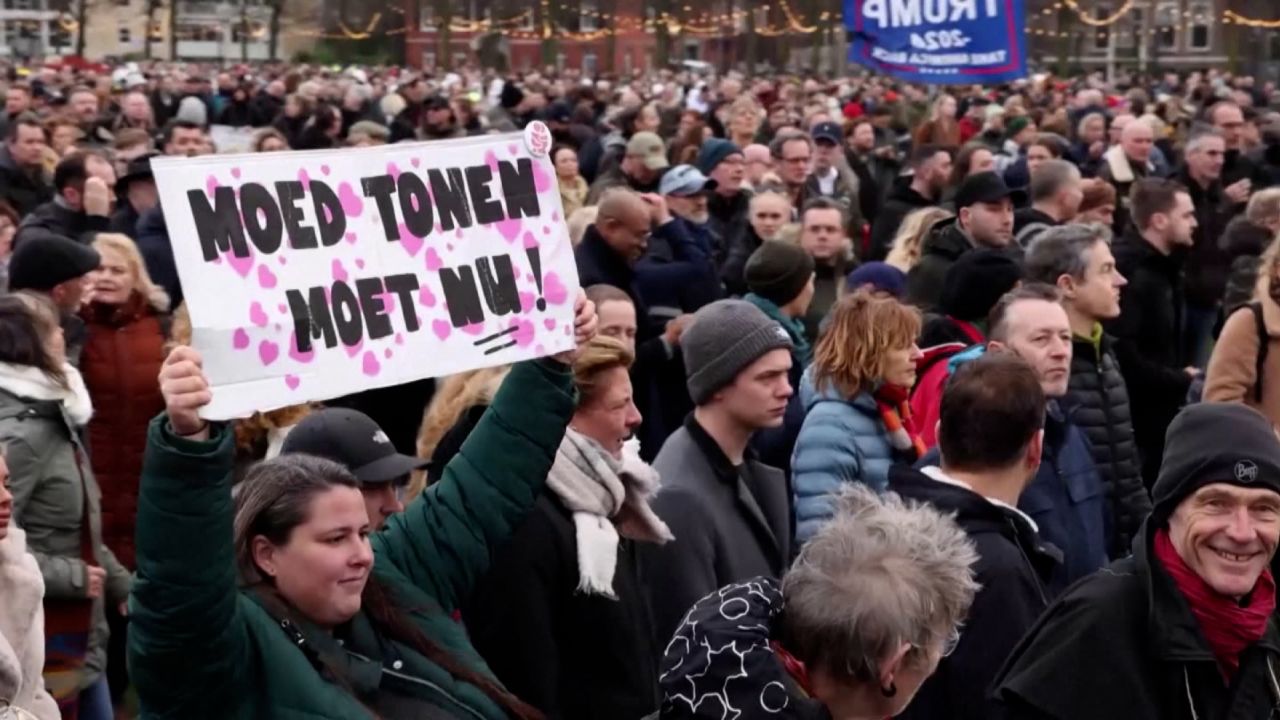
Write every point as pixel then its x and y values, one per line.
pixel 889 691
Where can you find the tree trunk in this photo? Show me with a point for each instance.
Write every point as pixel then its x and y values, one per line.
pixel 444 34
pixel 610 7
pixel 273 30
pixel 82 17
pixel 173 29
pixel 244 31
pixel 151 19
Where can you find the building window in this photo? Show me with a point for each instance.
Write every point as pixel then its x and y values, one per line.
pixel 124 35
pixel 239 33
pixel 1201 18
pixel 59 37
pixel 590 64
pixel 1131 36
pixel 589 21
pixel 21 4
pixel 1102 34
pixel 528 24
pixel 426 17
pixel 1167 26
pixel 199 32
pixel 428 60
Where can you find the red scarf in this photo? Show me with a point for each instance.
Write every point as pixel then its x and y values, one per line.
pixel 895 412
pixel 793 666
pixel 1228 627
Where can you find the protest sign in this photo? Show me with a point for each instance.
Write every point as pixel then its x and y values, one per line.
pixel 939 41
pixel 310 275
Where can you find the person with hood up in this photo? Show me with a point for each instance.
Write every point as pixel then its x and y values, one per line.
pixel 984 219
pixel 931 170
pixel 991 437
pixel 857 420
pixel 21 619
pixel 579 645
pixel 44 407
pixel 1247 236
pixel 791 650
pixel 298 607
pixel 1184 627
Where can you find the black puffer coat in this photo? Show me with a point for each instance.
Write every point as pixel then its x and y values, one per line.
pixel 1097 401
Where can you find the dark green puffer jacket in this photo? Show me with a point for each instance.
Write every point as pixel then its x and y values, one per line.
pixel 199 647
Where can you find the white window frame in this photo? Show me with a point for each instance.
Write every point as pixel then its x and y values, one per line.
pixel 1200 15
pixel 589 20
pixel 426 17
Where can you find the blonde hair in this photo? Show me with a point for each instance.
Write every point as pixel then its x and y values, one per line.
pixel 579 220
pixel 1264 206
pixel 596 357
pixel 453 396
pixel 1268 269
pixel 852 355
pixel 142 283
pixel 790 233
pixel 908 244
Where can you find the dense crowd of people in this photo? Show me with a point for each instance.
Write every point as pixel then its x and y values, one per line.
pixel 888 401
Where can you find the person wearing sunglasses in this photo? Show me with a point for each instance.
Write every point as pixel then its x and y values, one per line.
pixel 991 436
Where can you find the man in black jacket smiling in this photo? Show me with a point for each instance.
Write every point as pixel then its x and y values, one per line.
pixel 1183 629
pixel 991 440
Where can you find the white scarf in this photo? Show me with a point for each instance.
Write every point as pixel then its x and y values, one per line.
pixel 32 383
pixel 607 496
pixel 22 632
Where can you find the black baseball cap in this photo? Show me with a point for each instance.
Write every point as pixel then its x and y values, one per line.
pixel 559 112
pixel 828 132
pixel 353 440
pixel 986 187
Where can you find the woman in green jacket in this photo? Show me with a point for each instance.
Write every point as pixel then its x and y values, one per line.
pixel 285 606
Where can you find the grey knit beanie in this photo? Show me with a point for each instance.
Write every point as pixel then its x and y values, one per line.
pixel 725 337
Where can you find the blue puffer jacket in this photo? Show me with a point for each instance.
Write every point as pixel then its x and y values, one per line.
pixel 842 440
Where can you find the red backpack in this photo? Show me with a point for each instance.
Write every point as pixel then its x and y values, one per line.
pixel 932 371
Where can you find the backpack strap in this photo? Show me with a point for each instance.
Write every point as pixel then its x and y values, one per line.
pixel 1264 341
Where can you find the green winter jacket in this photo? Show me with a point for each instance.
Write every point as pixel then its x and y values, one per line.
pixel 54 494
pixel 199 647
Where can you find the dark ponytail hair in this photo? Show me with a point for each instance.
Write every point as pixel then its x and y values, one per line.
pixel 274 499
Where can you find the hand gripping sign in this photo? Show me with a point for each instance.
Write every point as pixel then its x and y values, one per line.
pixel 310 275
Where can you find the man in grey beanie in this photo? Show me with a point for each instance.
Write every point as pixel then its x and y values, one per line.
pixel 730 513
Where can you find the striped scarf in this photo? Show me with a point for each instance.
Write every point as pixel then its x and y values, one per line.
pixel 895 412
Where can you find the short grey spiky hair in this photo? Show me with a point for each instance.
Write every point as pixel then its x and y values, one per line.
pixel 882 572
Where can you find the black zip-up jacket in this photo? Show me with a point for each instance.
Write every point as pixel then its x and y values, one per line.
pixel 1123 645
pixel 944 245
pixel 1013 568
pixel 1208 264
pixel 1148 337
pixel 23 189
pixel 902 200
pixel 1097 401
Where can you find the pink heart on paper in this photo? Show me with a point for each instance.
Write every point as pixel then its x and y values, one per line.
pixel 296 354
pixel 529 240
pixel 324 169
pixel 524 332
pixel 293 381
pixel 513 148
pixel 351 238
pixel 458 234
pixel 546 229
pixel 441 328
pixel 415 162
pixel 434 262
pixel 388 302
pixel 370 366
pixel 387 353
pixel 553 289
pixel 410 242
pixel 542 181
pixel 426 297
pixel 240 339
pixel 549 323
pixel 509 228
pixel 399 339
pixel 284 309
pixel 257 315
pixel 393 170
pixel 353 350
pixel 242 265
pixel 266 278
pixel 283 259
pixel 211 185
pixel 360 263
pixel 491 160
pixel 526 301
pixel 352 205
pixel 555 216
pixel 339 272
pixel 473 328
pixel 538 350
pixel 304 178
pixel 235 173
pixel 268 352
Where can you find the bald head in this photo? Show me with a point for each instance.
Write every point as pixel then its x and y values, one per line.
pixel 1118 124
pixel 759 161
pixel 623 223
pixel 1136 140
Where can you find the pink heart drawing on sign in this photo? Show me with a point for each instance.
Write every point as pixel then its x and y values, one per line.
pixel 360 263
pixel 491 160
pixel 542 181
pixel 282 259
pixel 526 301
pixel 257 315
pixel 549 323
pixel 393 170
pixel 529 240
pixel 546 229
pixel 553 289
pixel 509 228
pixel 293 381
pixel 352 205
pixel 555 216
pixel 458 234
pixel 371 366
pixel 351 238
pixel 473 328
pixel 266 278
pixel 434 262
pixel 242 265
pixel 388 302
pixel 304 178
pixel 415 162
pixel 268 352
pixel 538 350
pixel 240 339
pixel 211 185
pixel 296 354
pixel 524 332
pixel 441 328
pixel 324 169
pixel 410 242
pixel 354 350
pixel 426 297
pixel 235 173
pixel 514 149
pixel 284 309
pixel 399 339
pixel 387 353
pixel 339 272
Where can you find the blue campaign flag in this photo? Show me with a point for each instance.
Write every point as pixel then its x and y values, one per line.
pixel 940 42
